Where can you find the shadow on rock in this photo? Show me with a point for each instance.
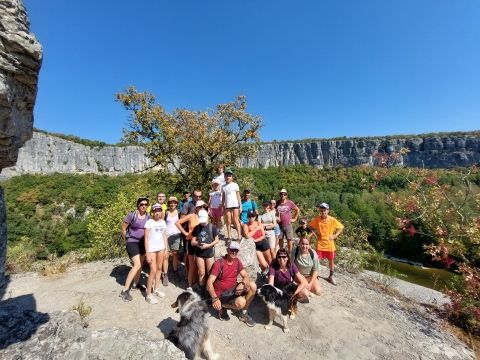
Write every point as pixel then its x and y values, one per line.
pixel 167 325
pixel 120 273
pixel 19 319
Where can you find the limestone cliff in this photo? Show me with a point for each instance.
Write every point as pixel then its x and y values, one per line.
pixel 20 61
pixel 45 154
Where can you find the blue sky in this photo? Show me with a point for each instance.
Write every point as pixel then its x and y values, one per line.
pixel 313 68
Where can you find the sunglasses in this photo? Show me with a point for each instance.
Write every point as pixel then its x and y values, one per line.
pixel 282 257
pixel 273 203
pixel 233 251
pixel 143 204
pixel 283 194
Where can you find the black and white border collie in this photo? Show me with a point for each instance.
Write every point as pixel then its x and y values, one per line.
pixel 279 302
pixel 191 333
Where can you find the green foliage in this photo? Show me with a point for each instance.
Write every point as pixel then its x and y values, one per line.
pixel 191 144
pixel 75 139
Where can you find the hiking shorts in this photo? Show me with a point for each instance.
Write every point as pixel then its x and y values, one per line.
pixel 270 236
pixel 216 213
pixel 174 241
pixel 326 254
pixel 286 232
pixel 135 248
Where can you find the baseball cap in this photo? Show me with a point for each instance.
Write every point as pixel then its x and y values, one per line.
pixel 284 191
pixel 229 171
pixel 172 198
pixel 216 181
pixel 323 205
pixel 234 245
pixel 251 214
pixel 203 217
pixel 156 207
pixel 199 203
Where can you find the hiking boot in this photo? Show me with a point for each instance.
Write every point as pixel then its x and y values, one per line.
pixel 151 300
pixel 247 319
pixel 165 279
pixel 331 280
pixel 223 315
pixel 125 295
pixel 159 293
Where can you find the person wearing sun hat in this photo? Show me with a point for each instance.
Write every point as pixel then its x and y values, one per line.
pixel 328 229
pixel 285 207
pixel 226 291
pixel 204 238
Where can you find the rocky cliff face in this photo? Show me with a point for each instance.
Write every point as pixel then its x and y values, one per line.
pixel 20 61
pixel 45 154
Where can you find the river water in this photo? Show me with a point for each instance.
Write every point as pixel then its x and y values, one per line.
pixel 428 277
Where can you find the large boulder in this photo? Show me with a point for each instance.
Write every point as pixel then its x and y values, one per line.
pixel 20 61
pixel 63 335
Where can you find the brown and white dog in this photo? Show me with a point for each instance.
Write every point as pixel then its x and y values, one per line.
pixel 191 333
pixel 279 302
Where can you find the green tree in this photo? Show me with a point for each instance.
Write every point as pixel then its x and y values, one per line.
pixel 190 144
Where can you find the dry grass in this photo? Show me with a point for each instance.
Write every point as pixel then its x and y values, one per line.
pixel 57 265
pixel 83 309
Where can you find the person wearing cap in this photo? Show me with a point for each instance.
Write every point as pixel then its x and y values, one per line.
pixel 155 245
pixel 254 230
pixel 190 221
pixel 215 207
pixel 204 238
pixel 328 229
pixel 232 205
pixel 185 200
pixel 285 207
pixel 269 221
pixel 226 291
pixel 174 236
pixel 133 231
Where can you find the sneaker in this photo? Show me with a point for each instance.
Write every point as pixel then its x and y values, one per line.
pixel 151 300
pixel 158 293
pixel 223 315
pixel 165 279
pixel 125 295
pixel 331 280
pixel 247 319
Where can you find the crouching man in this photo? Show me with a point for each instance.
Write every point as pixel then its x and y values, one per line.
pixel 224 289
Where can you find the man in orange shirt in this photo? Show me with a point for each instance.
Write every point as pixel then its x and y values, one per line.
pixel 328 229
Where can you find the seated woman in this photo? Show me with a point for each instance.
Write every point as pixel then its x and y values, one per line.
pixel 307 262
pixel 283 271
pixel 254 229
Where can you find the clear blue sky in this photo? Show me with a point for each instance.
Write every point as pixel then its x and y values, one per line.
pixel 316 68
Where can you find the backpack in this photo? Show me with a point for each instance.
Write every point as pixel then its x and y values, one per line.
pixel 312 254
pixel 220 273
pixel 134 217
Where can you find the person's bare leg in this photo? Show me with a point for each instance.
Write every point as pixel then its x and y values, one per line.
pixel 238 226
pixel 136 268
pixel 152 274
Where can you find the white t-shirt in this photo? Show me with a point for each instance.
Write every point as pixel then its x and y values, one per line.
pixel 220 179
pixel 157 232
pixel 230 194
pixel 216 201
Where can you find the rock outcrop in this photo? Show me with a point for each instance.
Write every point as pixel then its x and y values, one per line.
pixel 45 154
pixel 65 336
pixel 20 61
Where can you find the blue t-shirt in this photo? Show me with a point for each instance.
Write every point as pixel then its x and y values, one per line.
pixel 247 206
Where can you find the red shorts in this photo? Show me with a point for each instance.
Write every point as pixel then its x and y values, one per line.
pixel 326 254
pixel 216 213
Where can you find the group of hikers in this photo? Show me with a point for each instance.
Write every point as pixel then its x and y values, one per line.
pixel 192 227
